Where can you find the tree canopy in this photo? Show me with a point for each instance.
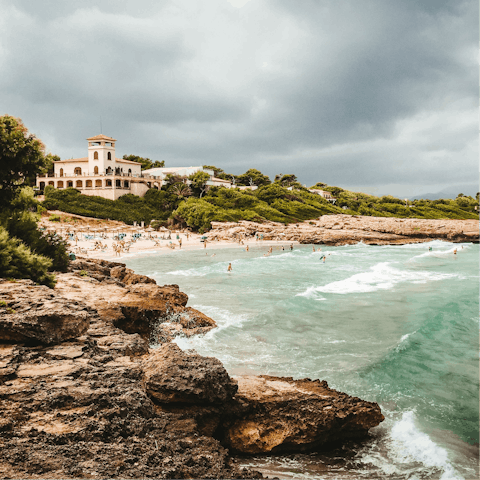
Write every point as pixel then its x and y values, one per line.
pixel 22 157
pixel 253 177
pixel 146 162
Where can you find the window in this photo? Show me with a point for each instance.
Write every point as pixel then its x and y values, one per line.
pixel 95 155
pixel 88 184
pixel 109 170
pixel 79 183
pixel 118 183
pixel 78 171
pixel 60 184
pixel 98 183
pixel 42 185
pixel 109 156
pixel 69 184
pixel 125 183
pixel 51 183
pixel 61 172
pixel 95 170
pixel 129 171
pixel 108 183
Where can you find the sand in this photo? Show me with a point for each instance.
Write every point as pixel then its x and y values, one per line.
pixel 150 242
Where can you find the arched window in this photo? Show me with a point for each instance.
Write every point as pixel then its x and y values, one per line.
pixel 42 185
pixel 126 184
pixel 109 171
pixel 109 156
pixel 98 183
pixel 69 184
pixel 95 155
pixel 61 172
pixel 78 171
pixel 79 184
pixel 129 171
pixel 60 184
pixel 95 170
pixel 108 183
pixel 51 183
pixel 88 184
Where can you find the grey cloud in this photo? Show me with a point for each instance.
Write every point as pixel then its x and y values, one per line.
pixel 274 85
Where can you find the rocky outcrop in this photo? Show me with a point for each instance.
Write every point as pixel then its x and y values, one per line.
pixel 95 401
pixel 285 415
pixel 157 313
pixel 175 376
pixel 34 315
pixel 350 229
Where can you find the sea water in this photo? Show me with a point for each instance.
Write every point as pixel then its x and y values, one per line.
pixel 398 325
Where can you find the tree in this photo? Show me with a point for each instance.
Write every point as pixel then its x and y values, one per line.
pixel 285 180
pixel 146 162
pixel 22 157
pixel 253 177
pixel 199 181
pixel 181 190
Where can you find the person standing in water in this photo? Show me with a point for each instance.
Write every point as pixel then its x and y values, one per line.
pixel 313 248
pixel 229 269
pixel 247 249
pixel 455 252
pixel 291 246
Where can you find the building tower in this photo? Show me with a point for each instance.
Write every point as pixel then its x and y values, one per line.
pixel 101 154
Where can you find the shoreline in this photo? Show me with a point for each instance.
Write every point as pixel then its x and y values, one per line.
pixel 329 230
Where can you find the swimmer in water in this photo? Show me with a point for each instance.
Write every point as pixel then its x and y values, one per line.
pixel 213 254
pixel 313 248
pixel 455 252
pixel 229 269
pixel 247 248
pixel 430 249
pixel 291 246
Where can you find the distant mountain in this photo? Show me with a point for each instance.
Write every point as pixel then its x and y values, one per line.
pixel 450 192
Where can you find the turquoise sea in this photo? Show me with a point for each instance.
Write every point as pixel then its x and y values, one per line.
pixel 398 325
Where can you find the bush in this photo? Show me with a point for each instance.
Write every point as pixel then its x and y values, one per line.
pixel 18 261
pixel 54 218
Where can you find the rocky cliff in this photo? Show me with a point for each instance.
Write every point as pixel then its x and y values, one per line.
pixel 348 229
pixel 83 395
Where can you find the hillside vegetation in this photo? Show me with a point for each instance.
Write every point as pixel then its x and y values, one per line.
pixel 178 204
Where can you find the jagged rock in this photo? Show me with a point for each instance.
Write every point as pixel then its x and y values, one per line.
pixel 170 294
pixel 286 415
pixel 36 315
pixel 174 376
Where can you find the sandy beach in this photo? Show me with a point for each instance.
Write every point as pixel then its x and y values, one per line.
pixel 96 238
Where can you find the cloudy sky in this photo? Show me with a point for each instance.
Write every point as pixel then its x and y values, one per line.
pixel 378 96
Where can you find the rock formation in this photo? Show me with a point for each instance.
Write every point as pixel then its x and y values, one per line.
pixel 82 395
pixel 350 229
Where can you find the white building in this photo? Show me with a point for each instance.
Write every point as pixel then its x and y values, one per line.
pixel 163 172
pixel 100 173
pixel 323 193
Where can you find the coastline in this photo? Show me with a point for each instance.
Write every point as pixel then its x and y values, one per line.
pixel 330 230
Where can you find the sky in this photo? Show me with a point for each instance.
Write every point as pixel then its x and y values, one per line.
pixel 379 96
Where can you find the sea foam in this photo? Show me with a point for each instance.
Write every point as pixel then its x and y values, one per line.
pixel 381 276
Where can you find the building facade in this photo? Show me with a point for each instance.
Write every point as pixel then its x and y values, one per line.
pixel 100 173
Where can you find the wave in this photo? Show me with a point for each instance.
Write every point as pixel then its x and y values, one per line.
pixel 406 452
pixel 381 276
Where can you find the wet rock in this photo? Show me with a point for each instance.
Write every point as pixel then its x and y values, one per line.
pixel 286 415
pixel 35 315
pixel 175 376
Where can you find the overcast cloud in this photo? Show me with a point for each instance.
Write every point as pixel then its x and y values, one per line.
pixel 372 95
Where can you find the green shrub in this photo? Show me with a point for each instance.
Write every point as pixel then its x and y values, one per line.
pixel 54 218
pixel 18 261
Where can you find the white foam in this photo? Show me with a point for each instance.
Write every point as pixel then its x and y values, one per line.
pixel 381 276
pixel 411 445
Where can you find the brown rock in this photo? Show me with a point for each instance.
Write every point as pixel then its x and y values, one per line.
pixel 36 315
pixel 286 415
pixel 175 376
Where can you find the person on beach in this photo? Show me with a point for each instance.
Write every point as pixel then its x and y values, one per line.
pixel 180 242
pixel 205 244
pixel 229 269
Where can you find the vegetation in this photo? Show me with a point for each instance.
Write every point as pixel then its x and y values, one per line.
pixel 146 162
pixel 25 251
pixel 187 202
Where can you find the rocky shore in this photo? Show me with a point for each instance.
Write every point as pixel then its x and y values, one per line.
pixel 91 386
pixel 338 230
